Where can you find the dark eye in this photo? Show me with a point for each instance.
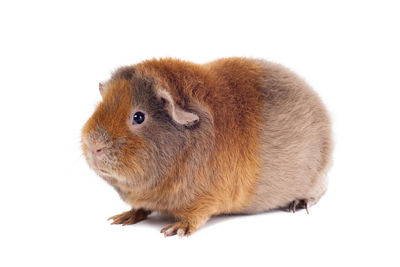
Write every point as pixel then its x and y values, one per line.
pixel 138 118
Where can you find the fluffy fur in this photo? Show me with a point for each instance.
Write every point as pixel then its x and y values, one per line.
pixel 235 135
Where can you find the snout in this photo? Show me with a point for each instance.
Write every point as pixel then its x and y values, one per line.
pixel 95 143
pixel 97 156
pixel 96 150
pixel 100 149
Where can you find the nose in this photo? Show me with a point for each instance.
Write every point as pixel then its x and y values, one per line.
pixel 96 149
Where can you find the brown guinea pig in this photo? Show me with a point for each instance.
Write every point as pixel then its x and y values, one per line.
pixel 235 135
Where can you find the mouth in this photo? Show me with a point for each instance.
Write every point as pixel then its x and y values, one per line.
pixel 95 166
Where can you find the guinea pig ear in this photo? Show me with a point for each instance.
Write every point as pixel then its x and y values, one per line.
pixel 179 115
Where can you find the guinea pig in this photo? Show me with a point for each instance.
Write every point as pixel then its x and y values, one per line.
pixel 190 141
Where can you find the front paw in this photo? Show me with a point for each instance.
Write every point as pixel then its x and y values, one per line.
pixel 130 217
pixel 183 228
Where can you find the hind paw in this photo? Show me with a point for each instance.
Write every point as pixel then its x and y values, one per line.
pixel 298 204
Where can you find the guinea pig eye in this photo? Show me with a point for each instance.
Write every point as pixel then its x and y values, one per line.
pixel 138 118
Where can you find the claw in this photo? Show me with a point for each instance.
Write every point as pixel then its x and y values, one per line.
pixel 306 206
pixel 293 205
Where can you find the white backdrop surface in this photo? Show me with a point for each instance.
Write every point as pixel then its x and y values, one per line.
pixel 52 56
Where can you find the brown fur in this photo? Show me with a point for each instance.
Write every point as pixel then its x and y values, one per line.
pixel 246 136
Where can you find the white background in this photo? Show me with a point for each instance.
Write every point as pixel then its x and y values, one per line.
pixel 53 54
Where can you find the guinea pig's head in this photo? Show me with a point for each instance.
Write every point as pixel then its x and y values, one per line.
pixel 137 131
